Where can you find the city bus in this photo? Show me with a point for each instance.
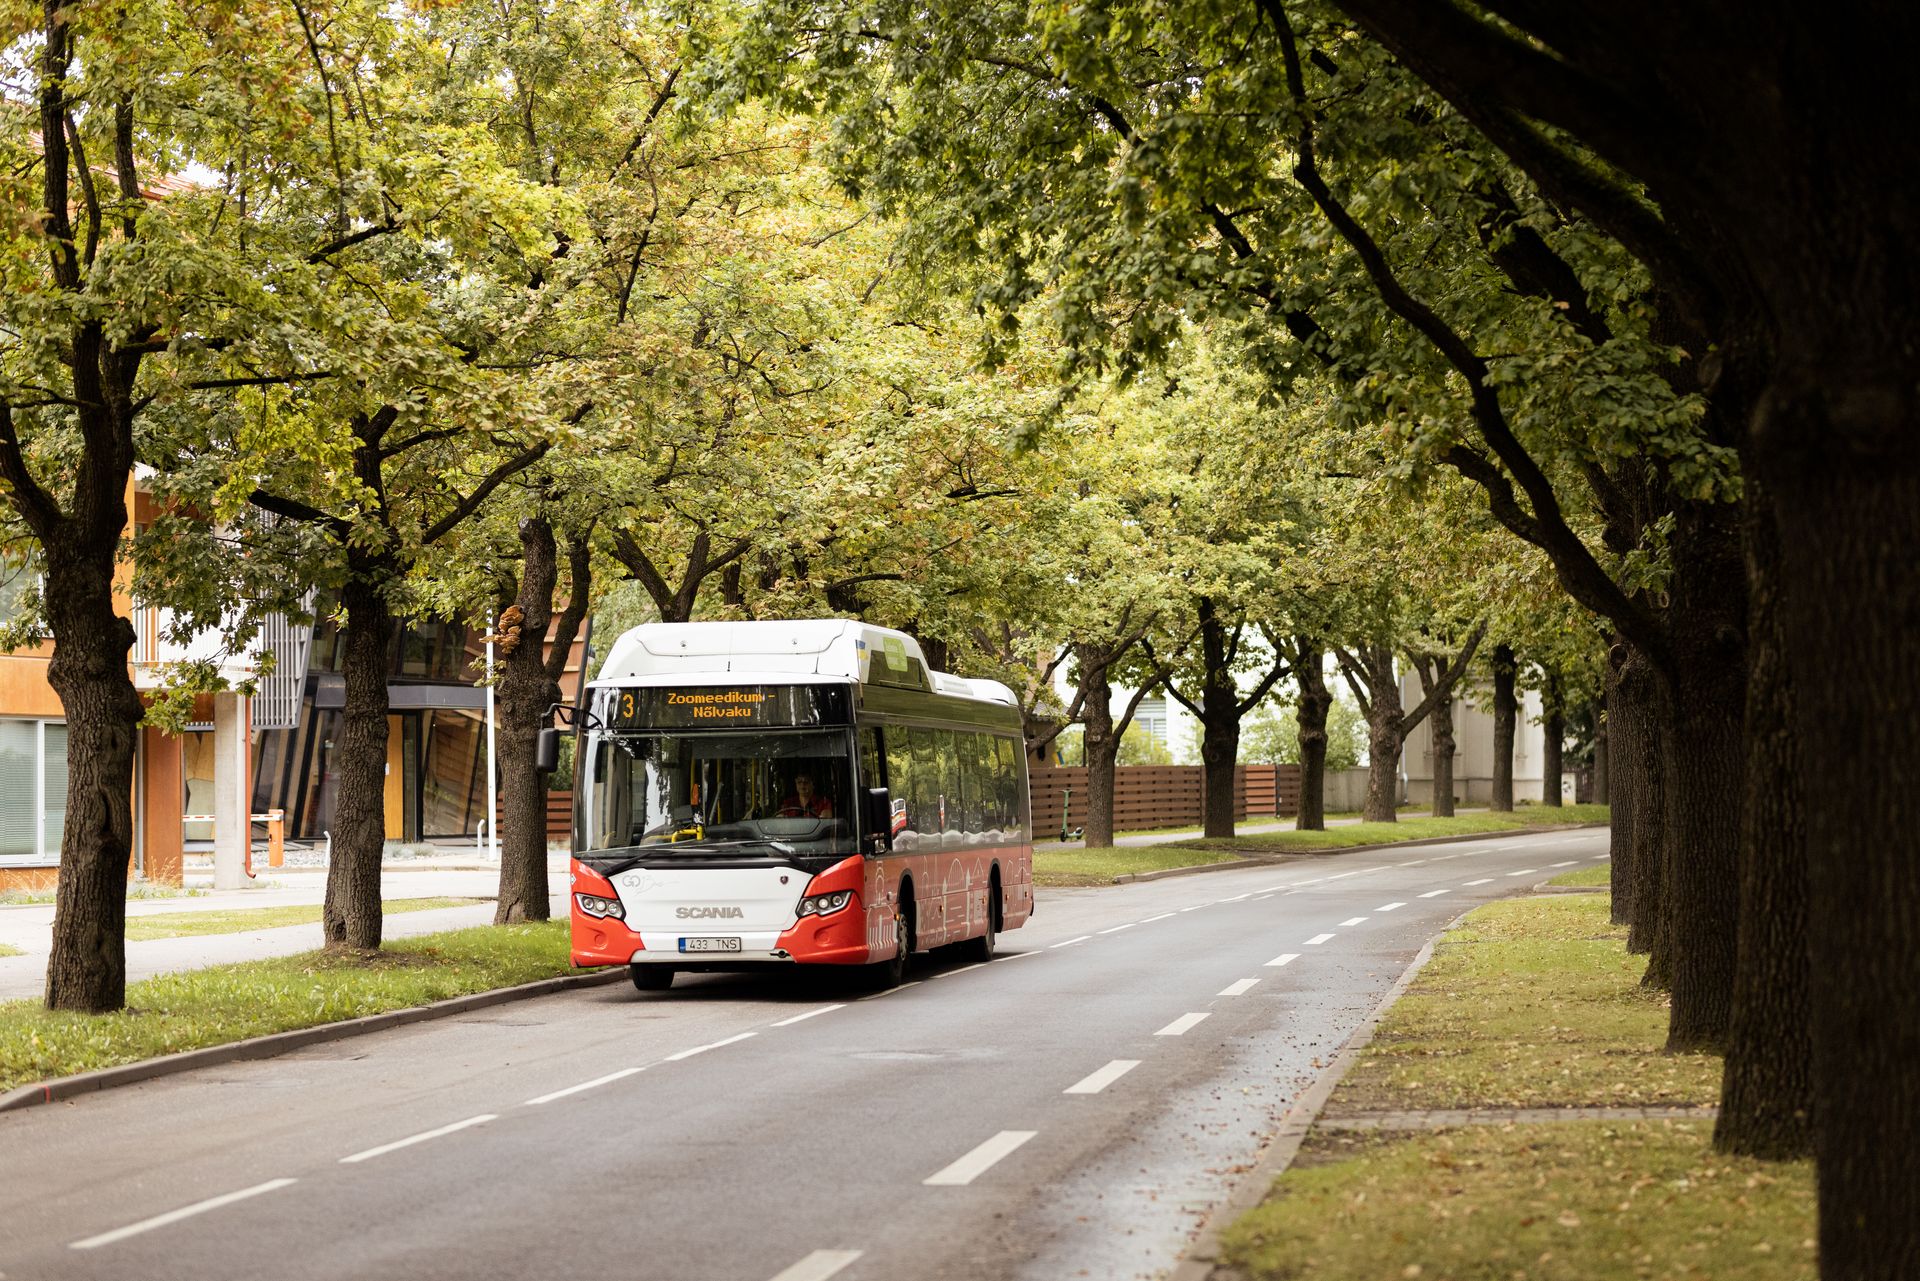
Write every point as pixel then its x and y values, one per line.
pixel 752 794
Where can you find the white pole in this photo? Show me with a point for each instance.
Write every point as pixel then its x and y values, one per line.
pixel 492 835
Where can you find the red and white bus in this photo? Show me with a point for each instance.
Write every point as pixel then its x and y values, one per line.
pixel 775 793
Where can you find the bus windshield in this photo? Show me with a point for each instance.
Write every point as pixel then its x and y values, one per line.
pixel 770 793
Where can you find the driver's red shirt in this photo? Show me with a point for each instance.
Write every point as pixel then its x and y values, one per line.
pixel 818 807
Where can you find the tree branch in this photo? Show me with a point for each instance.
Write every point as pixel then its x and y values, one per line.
pixel 471 503
pixel 1444 685
pixel 34 503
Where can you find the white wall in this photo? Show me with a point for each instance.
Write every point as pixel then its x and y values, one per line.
pixel 1473 747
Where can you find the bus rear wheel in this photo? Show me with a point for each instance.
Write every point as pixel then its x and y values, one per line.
pixel 980 948
pixel 650 978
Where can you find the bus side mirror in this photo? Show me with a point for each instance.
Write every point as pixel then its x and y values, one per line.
pixel 546 751
pixel 876 816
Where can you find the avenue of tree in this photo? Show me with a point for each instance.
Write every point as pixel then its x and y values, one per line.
pixel 1232 351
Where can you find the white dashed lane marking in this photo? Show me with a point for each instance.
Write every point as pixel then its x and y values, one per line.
pixel 801 1018
pixel 1151 919
pixel 412 1139
pixel 1285 958
pixel 1318 939
pixel 1070 942
pixel 1433 894
pixel 1115 929
pixel 1239 987
pixel 597 1081
pixel 1569 863
pixel 1485 880
pixel 1351 921
pixel 980 1160
pixel 184 1212
pixel 1390 907
pixel 1095 1082
pixel 1525 871
pixel 1183 1025
pixel 818 1266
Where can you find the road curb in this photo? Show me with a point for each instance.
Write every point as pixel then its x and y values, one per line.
pixel 1203 1256
pixel 1267 860
pixel 266 1047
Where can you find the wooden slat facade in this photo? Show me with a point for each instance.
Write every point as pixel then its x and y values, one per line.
pixel 1148 796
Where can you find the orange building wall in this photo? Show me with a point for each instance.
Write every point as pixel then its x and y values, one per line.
pixel 161 807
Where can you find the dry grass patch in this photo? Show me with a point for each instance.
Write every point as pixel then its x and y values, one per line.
pixel 1531 1003
pixel 1574 1201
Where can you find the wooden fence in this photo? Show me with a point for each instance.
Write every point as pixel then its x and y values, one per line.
pixel 1144 796
pixel 1159 795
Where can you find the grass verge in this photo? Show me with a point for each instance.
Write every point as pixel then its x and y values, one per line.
pixel 173 925
pixel 1406 829
pixel 1100 866
pixel 1596 876
pixel 1530 1003
pixel 135 890
pixel 1566 1202
pixel 10 951
pixel 232 1002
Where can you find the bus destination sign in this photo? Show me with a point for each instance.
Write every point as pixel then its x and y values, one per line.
pixel 725 706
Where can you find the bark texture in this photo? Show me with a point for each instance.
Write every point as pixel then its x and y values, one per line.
pixel 1640 809
pixel 1602 751
pixel 1441 733
pixel 529 688
pixel 1506 713
pixel 1102 744
pixel 1553 738
pixel 87 969
pixel 1220 708
pixel 1369 672
pixel 1311 717
pixel 350 917
pixel 1705 765
pixel 1766 1094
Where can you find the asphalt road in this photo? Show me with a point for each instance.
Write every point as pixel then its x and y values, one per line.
pixel 1071 1108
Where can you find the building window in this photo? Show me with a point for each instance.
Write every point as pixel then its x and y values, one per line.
pixel 33 790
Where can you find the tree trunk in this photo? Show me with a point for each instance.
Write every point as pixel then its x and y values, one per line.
pixel 529 687
pixel 1384 736
pixel 1602 786
pixel 1766 1095
pixel 1705 762
pixel 351 915
pixel 1443 749
pixel 1311 716
pixel 1219 752
pixel 1506 711
pixel 1838 432
pixel 87 969
pixel 1102 744
pixel 1640 811
pixel 1553 737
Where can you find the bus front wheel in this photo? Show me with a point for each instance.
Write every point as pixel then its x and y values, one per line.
pixel 892 972
pixel 650 978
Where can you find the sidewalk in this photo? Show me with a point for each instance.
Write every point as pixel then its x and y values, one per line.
pixel 30 928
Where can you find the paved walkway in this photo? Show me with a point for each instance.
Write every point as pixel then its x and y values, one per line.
pixel 29 928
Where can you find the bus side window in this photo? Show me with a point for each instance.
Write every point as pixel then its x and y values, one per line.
pixel 900 777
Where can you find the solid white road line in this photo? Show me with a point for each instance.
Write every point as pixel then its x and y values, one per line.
pixel 1116 929
pixel 947 974
pixel 1314 881
pixel 1569 863
pixel 1417 862
pixel 1070 942
pixel 1151 919
pixel 980 1160
pixel 410 1140
pixel 1014 956
pixel 714 1045
pixel 1196 907
pixel 1261 898
pixel 1285 958
pixel 1318 939
pixel 1485 880
pixel 1236 898
pixel 1525 871
pixel 1239 987
pixel 174 1216
pixel 1390 907
pixel 818 1266
pixel 1343 876
pixel 608 1079
pixel 1433 894
pixel 874 996
pixel 1098 1081
pixel 1351 921
pixel 802 1018
pixel 1182 1025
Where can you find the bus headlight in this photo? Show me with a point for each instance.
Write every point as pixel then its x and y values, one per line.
pixel 595 906
pixel 825 904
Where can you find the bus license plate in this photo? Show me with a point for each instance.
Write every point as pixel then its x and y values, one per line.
pixel 710 945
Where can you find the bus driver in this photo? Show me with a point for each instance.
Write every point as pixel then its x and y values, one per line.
pixel 803 801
